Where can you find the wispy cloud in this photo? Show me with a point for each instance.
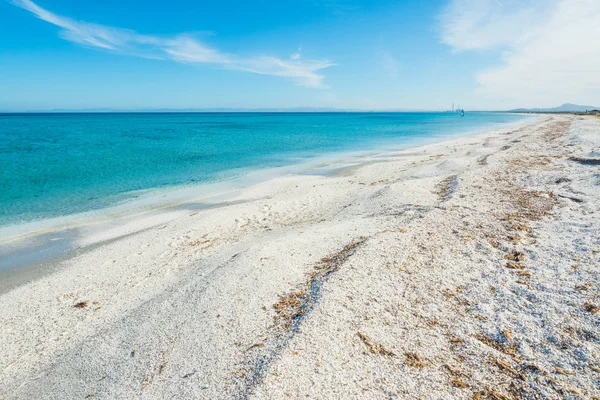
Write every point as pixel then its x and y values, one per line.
pixel 549 49
pixel 484 24
pixel 181 48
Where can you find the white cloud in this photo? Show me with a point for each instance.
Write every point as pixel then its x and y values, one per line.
pixel 296 55
pixel 181 48
pixel 549 50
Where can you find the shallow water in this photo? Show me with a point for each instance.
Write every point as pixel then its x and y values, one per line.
pixel 53 165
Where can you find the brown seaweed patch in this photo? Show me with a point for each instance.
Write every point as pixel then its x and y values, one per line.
pixel 373 347
pixel 289 307
pixel 483 160
pixel 515 255
pixel 591 307
pixel 492 394
pixel 513 265
pixel 81 304
pixel 529 205
pixel 508 349
pixel 457 383
pixel 414 360
pixel 446 188
pixel 290 311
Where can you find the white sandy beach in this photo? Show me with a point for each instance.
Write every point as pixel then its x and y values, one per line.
pixel 460 270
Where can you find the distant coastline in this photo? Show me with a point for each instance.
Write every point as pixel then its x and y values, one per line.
pixel 567 108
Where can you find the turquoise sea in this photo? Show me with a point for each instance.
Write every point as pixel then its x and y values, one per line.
pixel 54 165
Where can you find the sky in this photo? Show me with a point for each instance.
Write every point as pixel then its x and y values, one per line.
pixel 348 54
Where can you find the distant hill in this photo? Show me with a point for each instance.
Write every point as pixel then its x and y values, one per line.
pixel 568 107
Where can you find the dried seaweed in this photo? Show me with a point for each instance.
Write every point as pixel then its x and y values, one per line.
pixel 375 348
pixel 510 350
pixel 290 311
pixel 81 304
pixel 414 360
pixel 515 255
pixel 446 188
pixel 591 307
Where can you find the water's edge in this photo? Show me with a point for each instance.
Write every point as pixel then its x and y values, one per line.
pixel 31 250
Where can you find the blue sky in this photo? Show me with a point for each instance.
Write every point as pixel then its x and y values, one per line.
pixel 483 54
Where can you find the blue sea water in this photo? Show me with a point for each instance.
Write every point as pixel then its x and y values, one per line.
pixel 53 165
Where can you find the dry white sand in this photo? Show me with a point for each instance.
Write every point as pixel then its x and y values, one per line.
pixel 467 269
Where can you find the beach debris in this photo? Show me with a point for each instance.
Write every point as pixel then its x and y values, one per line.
pixel 561 371
pixel 521 227
pixel 456 340
pixel 510 350
pixel 295 304
pixel 198 242
pixel 289 307
pixel 505 366
pixel 529 205
pixel 492 394
pixel 483 160
pixel 290 311
pixel 374 348
pixel 585 286
pixel 81 304
pixel 453 370
pixel 162 367
pixel 586 161
pixel 189 374
pixel 513 265
pixel 414 360
pixel 254 346
pixel 574 199
pixel 458 383
pixel 591 307
pixel 446 188
pixel 515 255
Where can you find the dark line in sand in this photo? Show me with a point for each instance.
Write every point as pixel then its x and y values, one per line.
pixel 586 161
pixel 446 188
pixel 291 310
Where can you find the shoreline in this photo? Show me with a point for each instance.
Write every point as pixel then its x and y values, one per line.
pixel 462 267
pixel 170 197
pixel 67 234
